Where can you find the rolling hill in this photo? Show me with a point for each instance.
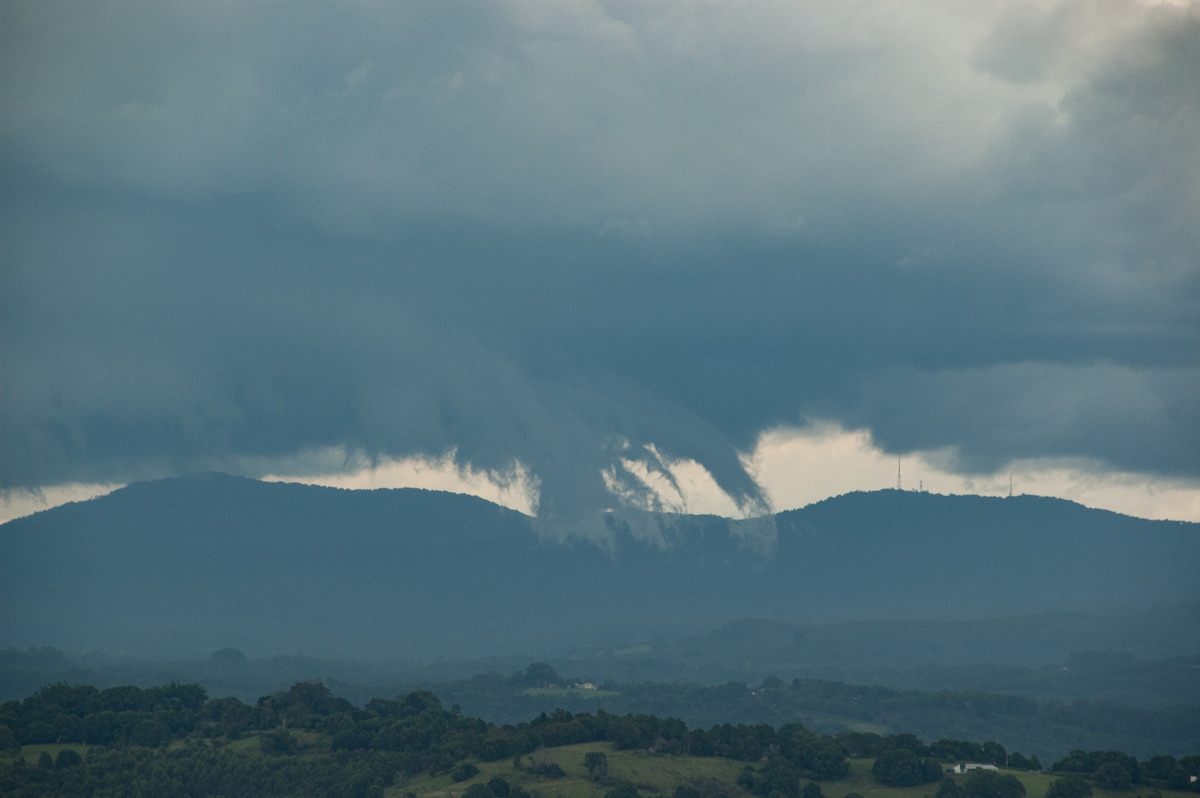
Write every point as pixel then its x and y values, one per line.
pixel 188 565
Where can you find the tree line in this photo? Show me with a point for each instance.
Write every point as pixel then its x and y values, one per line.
pixel 1050 728
pixel 174 740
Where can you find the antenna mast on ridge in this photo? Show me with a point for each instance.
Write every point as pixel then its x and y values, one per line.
pixel 899 481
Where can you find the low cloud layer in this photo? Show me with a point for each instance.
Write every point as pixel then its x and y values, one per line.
pixel 593 239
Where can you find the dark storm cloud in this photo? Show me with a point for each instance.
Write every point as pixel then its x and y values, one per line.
pixel 560 233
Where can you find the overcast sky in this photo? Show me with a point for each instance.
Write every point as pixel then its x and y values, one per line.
pixel 593 247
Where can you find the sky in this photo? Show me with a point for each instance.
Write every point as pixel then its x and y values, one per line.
pixel 707 256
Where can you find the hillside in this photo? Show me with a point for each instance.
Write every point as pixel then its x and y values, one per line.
pixel 186 566
pixel 173 740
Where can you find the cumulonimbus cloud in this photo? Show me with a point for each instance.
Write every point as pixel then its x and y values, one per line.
pixel 571 234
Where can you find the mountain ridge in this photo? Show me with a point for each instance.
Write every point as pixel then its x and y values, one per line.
pixel 216 560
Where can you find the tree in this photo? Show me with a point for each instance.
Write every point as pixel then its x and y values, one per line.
pixel 777 776
pixel 948 749
pixel 1158 767
pixel 820 757
pixel 1092 761
pixel 231 716
pixel 68 757
pixel 860 745
pixel 307 698
pixel 150 732
pixel 539 674
pixel 990 784
pixel 1166 770
pixel 906 741
pixel 464 771
pixel 597 765
pixel 1114 777
pixel 994 753
pixel 812 790
pixel 478 790
pixel 1072 786
pixel 949 789
pixel 902 768
pixel 278 741
pixel 1019 761
pixel 38 731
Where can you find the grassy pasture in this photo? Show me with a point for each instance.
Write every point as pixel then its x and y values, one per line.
pixel 655 775
pixel 32 752
pixel 652 773
pixel 658 775
pixel 1036 783
pixel 247 742
pixel 568 757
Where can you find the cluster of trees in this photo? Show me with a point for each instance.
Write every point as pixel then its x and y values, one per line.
pixel 200 771
pixel 868 745
pixel 385 740
pixel 902 767
pixel 983 784
pixel 125 715
pixel 361 751
pixel 793 755
pixel 829 705
pixel 824 706
pixel 1119 772
pixel 496 787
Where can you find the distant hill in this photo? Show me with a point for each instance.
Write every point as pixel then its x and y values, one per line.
pixel 186 566
pixel 1148 659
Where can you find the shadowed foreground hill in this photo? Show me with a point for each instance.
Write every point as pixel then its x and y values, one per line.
pixel 193 564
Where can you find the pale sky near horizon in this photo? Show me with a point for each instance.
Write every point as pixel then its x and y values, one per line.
pixel 718 256
pixel 795 469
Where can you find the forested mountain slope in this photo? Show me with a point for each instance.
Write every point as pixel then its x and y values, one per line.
pixel 194 564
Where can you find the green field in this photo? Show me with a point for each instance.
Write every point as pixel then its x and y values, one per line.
pixel 659 774
pixel 652 773
pixel 32 752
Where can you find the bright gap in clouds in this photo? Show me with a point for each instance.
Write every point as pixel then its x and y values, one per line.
pixel 17 503
pixel 516 489
pixel 799 467
pixel 795 467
